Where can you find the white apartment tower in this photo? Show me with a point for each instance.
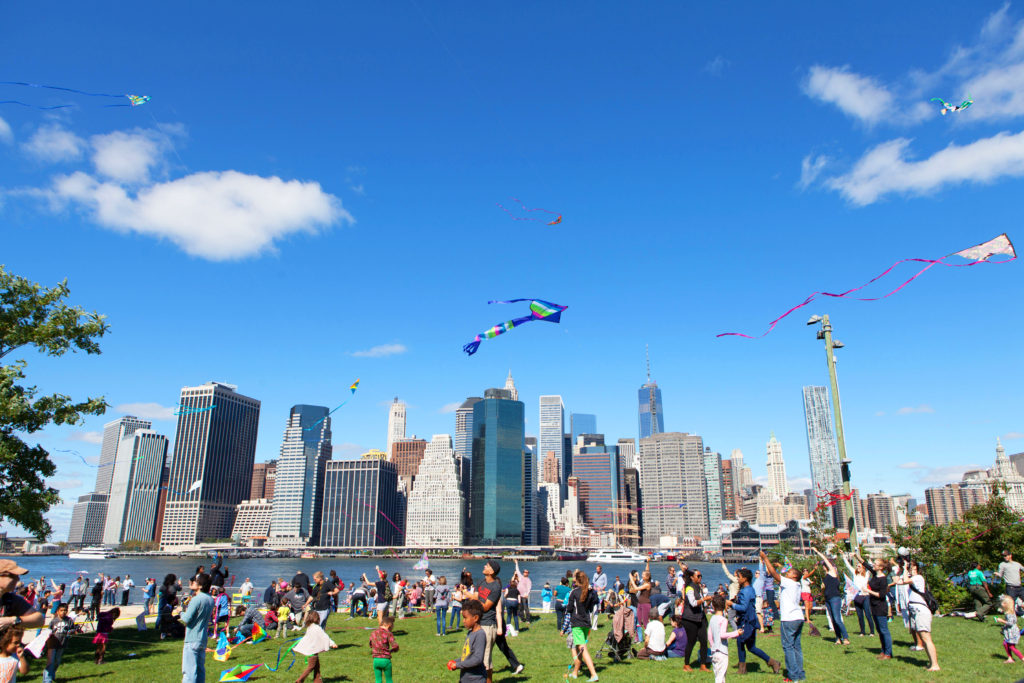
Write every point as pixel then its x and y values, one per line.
pixel 552 437
pixel 299 478
pixel 434 513
pixel 113 432
pixel 135 487
pixel 777 482
pixel 396 424
pixel 674 487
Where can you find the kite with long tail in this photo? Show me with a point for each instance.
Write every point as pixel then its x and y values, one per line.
pixel 352 387
pixel 981 253
pixel 947 107
pixel 539 310
pixel 133 100
pixel 526 209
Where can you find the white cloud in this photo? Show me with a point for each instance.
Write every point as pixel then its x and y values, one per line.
pixel 87 437
pixel 857 96
pixel 381 351
pixel 944 475
pixel 1013 435
pixel 885 168
pixel 810 168
pixel 147 411
pixel 216 215
pixel 879 413
pixel 716 66
pixel 911 410
pixel 5 132
pixel 450 407
pixel 128 156
pixel 53 143
pixel 911 466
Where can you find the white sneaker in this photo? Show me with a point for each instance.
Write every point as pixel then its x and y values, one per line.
pixel 519 669
pixel 592 679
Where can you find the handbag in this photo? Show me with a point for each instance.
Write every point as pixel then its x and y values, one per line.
pixel 929 600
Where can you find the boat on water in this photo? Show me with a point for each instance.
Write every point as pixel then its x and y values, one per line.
pixel 615 556
pixel 96 552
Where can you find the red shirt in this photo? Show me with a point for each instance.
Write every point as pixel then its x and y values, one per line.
pixel 382 644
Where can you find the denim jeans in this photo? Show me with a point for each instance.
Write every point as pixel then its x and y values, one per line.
pixel 835 612
pixel 512 612
pixel 440 620
pixel 882 626
pixel 50 673
pixel 456 620
pixel 747 642
pixel 193 663
pixel 769 595
pixel 792 650
pixel 864 609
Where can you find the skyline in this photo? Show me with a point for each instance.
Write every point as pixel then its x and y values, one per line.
pixel 346 186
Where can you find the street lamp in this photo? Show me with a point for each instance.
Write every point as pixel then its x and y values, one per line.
pixel 825 333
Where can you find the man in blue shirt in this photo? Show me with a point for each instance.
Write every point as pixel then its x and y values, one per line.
pixel 196 618
pixel 745 605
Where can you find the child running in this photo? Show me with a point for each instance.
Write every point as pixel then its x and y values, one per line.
pixel 312 644
pixel 471 665
pixel 718 634
pixel 1011 632
pixel 61 626
pixel 382 644
pixel 104 625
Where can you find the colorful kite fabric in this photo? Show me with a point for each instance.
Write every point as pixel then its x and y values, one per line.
pixel 352 387
pixel 238 673
pixel 539 310
pixel 827 499
pixel 526 209
pixel 133 100
pixel 424 563
pixel 185 410
pixel 223 649
pixel 947 107
pixel 981 253
pixel 258 634
pixel 280 654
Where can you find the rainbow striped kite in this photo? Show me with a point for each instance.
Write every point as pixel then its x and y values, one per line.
pixel 539 310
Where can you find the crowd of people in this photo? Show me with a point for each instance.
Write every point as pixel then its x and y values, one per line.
pixel 492 611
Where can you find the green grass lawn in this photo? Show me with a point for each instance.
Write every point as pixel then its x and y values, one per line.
pixel 968 651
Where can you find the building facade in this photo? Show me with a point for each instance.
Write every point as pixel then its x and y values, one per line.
pixel 729 497
pixel 360 504
pixel 713 483
pixel 596 467
pixel 87 519
pixel 552 438
pixel 135 487
pixel 582 423
pixel 113 433
pixel 821 443
pixel 252 520
pixel 497 486
pixel 671 468
pixel 407 454
pixel 651 416
pixel 434 513
pixel 627 452
pixel 396 423
pixel 777 482
pixel 264 476
pixel 211 473
pixel 299 477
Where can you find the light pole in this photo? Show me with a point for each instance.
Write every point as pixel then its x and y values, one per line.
pixel 830 346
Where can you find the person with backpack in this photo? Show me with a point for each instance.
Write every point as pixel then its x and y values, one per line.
pixel 582 600
pixel 921 604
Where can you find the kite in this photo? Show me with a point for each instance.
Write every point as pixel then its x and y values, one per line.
pixel 526 209
pixel 223 650
pixel 827 499
pixel 424 562
pixel 182 409
pixel 62 450
pixel 277 665
pixel 353 387
pixel 195 486
pixel 133 100
pixel 258 634
pixel 539 310
pixel 238 673
pixel 980 253
pixel 947 107
pixel 673 506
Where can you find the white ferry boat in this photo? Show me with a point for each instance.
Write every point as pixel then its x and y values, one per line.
pixel 96 552
pixel 615 556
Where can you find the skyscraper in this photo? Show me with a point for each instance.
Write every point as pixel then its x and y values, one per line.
pixel 113 432
pixel 821 444
pixel 549 470
pixel 211 473
pixel 582 423
pixel 360 504
pixel 87 519
pixel 631 518
pixel 777 482
pixel 510 387
pixel 713 483
pixel 627 452
pixel 551 440
pixel 743 478
pixel 264 476
pixel 674 492
pixel 434 513
pixel 652 418
pixel 396 423
pixel 464 449
pixel 299 482
pixel 596 467
pixel 407 455
pixel 135 487
pixel 530 491
pixel 497 488
pixel 729 497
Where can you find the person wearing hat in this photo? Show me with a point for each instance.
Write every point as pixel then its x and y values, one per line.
pixel 1009 571
pixel 489 595
pixel 14 609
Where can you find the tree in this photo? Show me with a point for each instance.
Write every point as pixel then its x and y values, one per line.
pixel 33 316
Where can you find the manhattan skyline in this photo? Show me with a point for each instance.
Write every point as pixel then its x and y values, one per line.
pixel 397 155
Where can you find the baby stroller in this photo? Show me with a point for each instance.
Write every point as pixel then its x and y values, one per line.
pixel 622 637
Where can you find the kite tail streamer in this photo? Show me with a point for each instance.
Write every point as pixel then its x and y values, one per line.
pixel 472 346
pixel 37 106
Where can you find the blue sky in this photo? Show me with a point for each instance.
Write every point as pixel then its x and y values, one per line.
pixel 311 183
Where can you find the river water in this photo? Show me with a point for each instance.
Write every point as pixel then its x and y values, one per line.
pixel 262 571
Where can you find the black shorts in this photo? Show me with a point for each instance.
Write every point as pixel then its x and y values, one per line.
pixel 222 620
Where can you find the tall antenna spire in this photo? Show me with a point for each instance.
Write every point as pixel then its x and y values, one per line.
pixel 647 351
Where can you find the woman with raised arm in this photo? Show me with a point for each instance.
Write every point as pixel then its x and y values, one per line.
pixel 834 598
pixel 920 615
pixel 861 574
pixel 878 589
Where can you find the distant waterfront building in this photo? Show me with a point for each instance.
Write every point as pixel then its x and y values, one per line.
pixel 113 432
pixel 530 483
pixel 252 520
pixel 631 520
pixel 87 519
pixel 652 418
pixel 821 443
pixel 713 483
pixel 360 496
pixel 497 471
pixel 510 387
pixel 211 473
pixel 135 487
pixel 777 482
pixel 744 538
pixel 396 423
pixel 674 492
pixel 161 503
pixel 881 512
pixel 549 470
pixel 299 484
pixel 407 455
pixel 374 454
pixel 627 452
pixel 582 423
pixel 596 468
pixel 729 497
pixel 743 478
pixel 264 476
pixel 944 504
pixel 435 507
pixel 551 438
pixel 464 449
